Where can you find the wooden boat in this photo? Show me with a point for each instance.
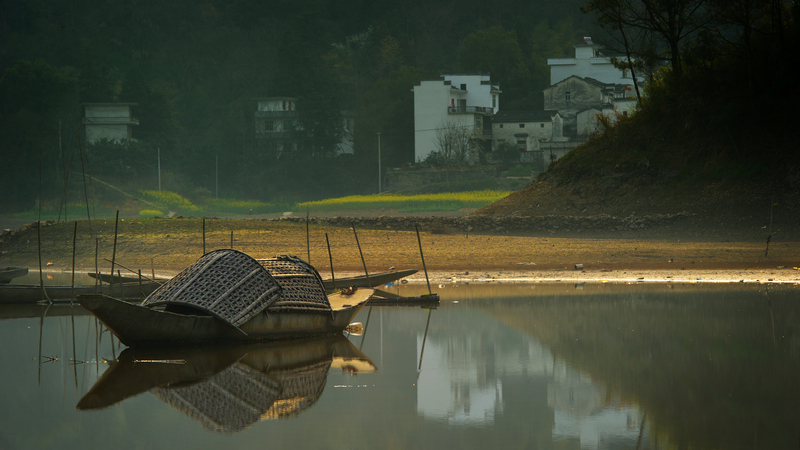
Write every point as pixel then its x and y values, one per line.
pixel 116 279
pixel 229 388
pixel 374 280
pixel 32 293
pixel 9 273
pixel 229 296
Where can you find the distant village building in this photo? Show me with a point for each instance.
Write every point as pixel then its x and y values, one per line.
pixel 277 123
pixel 535 134
pixel 590 61
pixel 576 94
pixel 275 120
pixel 587 85
pixel 464 101
pixel 526 130
pixel 111 121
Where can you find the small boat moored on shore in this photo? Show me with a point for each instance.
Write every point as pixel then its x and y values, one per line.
pixel 227 296
pixel 9 273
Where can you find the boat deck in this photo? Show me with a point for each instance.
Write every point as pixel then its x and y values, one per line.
pixel 341 301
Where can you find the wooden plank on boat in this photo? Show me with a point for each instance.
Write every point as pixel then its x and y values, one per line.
pixel 106 278
pixel 425 301
pixel 375 279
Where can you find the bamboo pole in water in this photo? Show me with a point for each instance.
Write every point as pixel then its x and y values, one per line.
pixel 308 241
pixel 204 235
pixel 424 338
pixel 97 281
pixel 74 241
pixel 419 241
pixel 330 257
pixel 364 263
pixel 113 255
pixel 39 234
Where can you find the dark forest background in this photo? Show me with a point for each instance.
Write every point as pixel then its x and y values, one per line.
pixel 194 68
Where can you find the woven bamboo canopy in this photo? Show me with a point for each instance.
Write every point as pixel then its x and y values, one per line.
pixel 234 287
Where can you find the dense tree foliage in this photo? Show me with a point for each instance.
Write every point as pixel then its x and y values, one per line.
pixel 194 67
pixel 718 104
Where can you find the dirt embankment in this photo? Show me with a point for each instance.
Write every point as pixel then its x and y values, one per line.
pixel 669 252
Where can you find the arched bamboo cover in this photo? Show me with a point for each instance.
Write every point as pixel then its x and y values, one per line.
pixel 226 283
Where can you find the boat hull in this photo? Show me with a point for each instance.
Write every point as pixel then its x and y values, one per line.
pixel 9 273
pixel 136 325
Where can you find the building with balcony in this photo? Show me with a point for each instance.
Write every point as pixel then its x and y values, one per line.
pixel 276 121
pixel 278 127
pixel 112 121
pixel 463 102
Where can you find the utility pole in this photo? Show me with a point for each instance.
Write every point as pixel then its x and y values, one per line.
pixel 159 170
pixel 380 185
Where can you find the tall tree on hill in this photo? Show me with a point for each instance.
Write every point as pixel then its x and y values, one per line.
pixel 663 25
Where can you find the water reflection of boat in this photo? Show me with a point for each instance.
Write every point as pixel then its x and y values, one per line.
pixel 229 296
pixel 227 389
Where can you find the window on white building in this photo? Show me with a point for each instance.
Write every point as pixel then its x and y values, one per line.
pixel 494 101
pixel 567 95
pixel 522 125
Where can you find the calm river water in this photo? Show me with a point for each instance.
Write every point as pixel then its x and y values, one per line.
pixel 495 366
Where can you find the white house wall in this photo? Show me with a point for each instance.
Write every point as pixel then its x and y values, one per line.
pixel 431 100
pixel 108 121
pixel 586 64
pixel 535 133
pixel 477 94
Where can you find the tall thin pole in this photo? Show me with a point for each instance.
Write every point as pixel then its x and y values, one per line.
pixel 74 241
pixel 308 241
pixel 419 241
pixel 330 257
pixel 204 235
pixel 364 263
pixel 97 281
pixel 39 233
pixel 216 175
pixel 380 185
pixel 159 174
pixel 113 256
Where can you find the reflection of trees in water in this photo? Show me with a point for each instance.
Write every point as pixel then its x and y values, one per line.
pixel 703 365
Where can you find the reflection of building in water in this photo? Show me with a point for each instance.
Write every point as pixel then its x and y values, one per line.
pixel 453 385
pixel 586 411
pixel 461 383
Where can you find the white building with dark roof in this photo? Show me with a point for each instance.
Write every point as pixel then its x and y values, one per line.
pixel 111 121
pixel 526 130
pixel 590 61
pixel 575 94
pixel 465 101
